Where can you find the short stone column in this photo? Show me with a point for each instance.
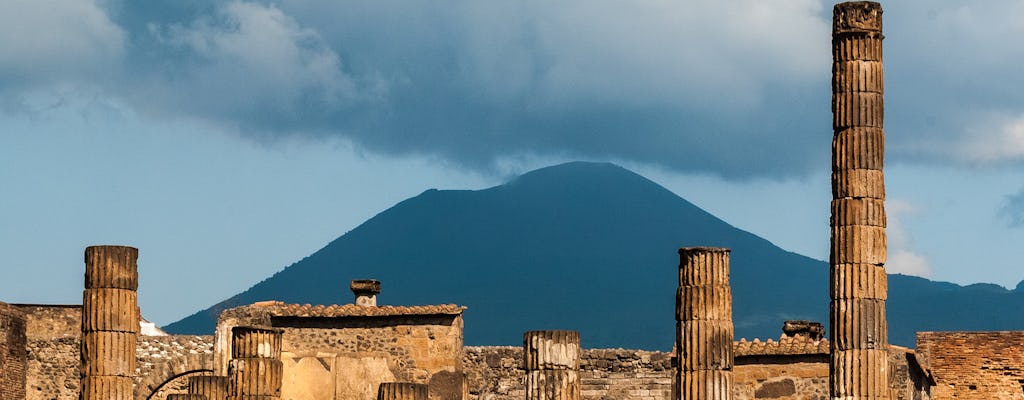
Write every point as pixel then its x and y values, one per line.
pixel 402 391
pixel 859 333
pixel 366 291
pixel 552 362
pixel 110 322
pixel 255 370
pixel 212 387
pixel 704 328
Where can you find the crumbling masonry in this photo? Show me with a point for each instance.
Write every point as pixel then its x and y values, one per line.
pixel 859 366
pixel 552 362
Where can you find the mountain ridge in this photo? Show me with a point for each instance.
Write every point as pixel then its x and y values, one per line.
pixel 586 246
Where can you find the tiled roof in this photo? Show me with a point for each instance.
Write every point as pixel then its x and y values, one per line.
pixel 280 309
pixel 783 346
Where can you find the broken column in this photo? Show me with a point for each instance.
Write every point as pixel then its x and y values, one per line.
pixel 366 291
pixel 402 391
pixel 859 366
pixel 110 322
pixel 552 362
pixel 212 387
pixel 255 370
pixel 704 330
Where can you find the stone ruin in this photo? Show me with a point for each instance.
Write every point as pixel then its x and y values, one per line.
pixel 361 351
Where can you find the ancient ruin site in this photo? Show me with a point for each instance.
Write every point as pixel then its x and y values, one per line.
pixel 103 349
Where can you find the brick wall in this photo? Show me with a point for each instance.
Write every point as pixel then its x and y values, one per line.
pixel 974 365
pixel 53 335
pixel 12 352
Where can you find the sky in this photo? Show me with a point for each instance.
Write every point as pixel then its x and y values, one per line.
pixel 229 139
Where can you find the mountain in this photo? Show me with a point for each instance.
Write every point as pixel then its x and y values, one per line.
pixel 589 247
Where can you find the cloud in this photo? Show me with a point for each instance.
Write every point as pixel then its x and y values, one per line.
pixel 902 258
pixel 739 89
pixel 52 45
pixel 1013 210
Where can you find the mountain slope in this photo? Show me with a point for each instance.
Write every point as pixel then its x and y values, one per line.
pixel 589 247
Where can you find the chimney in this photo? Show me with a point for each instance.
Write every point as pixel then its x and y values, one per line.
pixel 366 291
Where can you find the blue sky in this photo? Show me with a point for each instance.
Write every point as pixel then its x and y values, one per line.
pixel 228 139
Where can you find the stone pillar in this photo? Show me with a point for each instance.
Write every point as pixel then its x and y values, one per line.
pixel 366 291
pixel 212 387
pixel 401 391
pixel 552 362
pixel 255 370
pixel 859 338
pixel 704 330
pixel 110 322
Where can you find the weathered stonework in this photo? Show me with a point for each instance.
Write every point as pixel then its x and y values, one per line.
pixel 211 387
pixel 110 323
pixel 974 365
pixel 551 361
pixel 13 357
pixel 256 370
pixel 402 391
pixel 704 345
pixel 859 357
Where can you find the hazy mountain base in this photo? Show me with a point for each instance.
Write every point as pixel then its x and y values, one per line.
pixel 589 247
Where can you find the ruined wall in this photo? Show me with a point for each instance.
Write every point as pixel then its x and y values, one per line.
pixel 495 373
pixel 974 365
pixel 52 335
pixel 350 357
pixel 166 362
pixel 12 352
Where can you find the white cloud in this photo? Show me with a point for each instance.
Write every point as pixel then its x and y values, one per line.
pixel 246 61
pixel 1001 139
pixel 48 42
pixel 902 258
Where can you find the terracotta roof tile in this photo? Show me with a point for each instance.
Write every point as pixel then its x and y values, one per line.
pixel 784 346
pixel 280 309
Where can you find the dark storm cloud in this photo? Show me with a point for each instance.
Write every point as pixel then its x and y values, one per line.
pixel 739 89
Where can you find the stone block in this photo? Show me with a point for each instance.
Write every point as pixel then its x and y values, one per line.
pixel 858 324
pixel 860 374
pixel 703 266
pixel 857 76
pixel 111 267
pixel 402 391
pixel 705 384
pixel 553 385
pixel 213 387
pixel 109 353
pixel 859 281
pixel 857 109
pixel 858 211
pixel 709 302
pixel 858 244
pixel 255 377
pixel 110 310
pixel 858 183
pixel 704 345
pixel 107 388
pixel 858 148
pixel 253 342
pixel 550 350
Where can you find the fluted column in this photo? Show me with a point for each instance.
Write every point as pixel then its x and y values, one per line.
pixel 110 322
pixel 552 362
pixel 401 391
pixel 212 387
pixel 704 325
pixel 859 366
pixel 255 370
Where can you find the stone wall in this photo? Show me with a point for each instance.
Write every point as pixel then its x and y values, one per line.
pixel 53 335
pixel 12 352
pixel 974 365
pixel 166 362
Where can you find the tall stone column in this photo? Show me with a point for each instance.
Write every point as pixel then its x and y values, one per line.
pixel 552 362
pixel 402 391
pixel 859 366
pixel 212 387
pixel 704 330
pixel 255 370
pixel 110 322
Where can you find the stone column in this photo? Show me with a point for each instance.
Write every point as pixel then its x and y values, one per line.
pixel 213 387
pixel 110 322
pixel 255 370
pixel 859 338
pixel 401 391
pixel 366 291
pixel 704 330
pixel 552 362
